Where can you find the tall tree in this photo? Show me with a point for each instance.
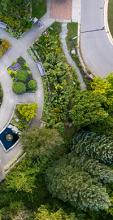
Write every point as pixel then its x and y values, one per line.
pixel 99 147
pixel 72 185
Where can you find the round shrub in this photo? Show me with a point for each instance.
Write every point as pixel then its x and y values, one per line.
pixel 32 85
pixel 19 87
pixel 22 76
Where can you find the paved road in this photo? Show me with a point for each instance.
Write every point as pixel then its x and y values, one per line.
pixel 96 49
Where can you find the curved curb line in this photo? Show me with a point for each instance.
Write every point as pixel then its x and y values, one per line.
pixel 107 30
pixel 79 53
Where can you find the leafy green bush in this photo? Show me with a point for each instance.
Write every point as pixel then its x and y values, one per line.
pixel 22 76
pixel 19 87
pixel 32 85
pixel 27 111
pixel 16 14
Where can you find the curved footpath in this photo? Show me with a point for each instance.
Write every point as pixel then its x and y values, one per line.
pixel 96 49
pixel 19 48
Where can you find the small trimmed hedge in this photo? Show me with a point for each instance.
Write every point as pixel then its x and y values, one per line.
pixel 22 76
pixel 19 87
pixel 32 85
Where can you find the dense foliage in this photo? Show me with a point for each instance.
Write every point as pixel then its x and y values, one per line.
pixel 87 109
pixel 45 212
pixel 96 146
pixel 17 14
pixel 60 82
pixel 24 189
pixel 24 114
pixel 70 184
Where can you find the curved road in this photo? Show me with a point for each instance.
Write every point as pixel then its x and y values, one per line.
pixel 96 49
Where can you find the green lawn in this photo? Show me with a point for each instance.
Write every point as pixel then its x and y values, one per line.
pixel 110 16
pixel 38 8
pixel 72 32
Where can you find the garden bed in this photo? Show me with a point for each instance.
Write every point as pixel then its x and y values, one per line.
pixel 17 16
pixel 22 77
pixel 4 46
pixel 23 116
pixel 60 82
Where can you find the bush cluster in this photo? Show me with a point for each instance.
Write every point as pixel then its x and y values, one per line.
pixel 22 78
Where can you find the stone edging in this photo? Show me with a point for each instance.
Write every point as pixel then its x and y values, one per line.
pixel 106 21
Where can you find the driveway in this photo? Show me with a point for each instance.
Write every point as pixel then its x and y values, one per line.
pixel 96 49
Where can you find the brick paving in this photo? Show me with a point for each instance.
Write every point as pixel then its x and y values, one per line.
pixel 61 9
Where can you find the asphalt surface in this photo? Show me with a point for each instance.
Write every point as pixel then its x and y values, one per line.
pixel 96 49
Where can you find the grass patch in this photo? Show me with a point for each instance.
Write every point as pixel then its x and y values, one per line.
pixel 38 8
pixel 72 32
pixel 110 16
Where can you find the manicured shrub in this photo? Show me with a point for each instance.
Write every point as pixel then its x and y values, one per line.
pixel 19 87
pixel 32 85
pixel 27 111
pixel 22 76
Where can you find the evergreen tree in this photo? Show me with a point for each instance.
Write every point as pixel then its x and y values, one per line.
pixel 72 185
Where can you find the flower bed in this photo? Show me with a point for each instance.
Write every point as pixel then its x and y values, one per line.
pixel 22 77
pixel 4 46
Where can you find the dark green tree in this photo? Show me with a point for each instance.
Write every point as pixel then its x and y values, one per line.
pixel 43 145
pixel 66 182
pixel 99 147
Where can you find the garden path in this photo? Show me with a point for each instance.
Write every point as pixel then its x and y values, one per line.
pixel 63 36
pixel 19 48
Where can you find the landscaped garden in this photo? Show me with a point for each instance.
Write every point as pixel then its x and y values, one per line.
pixel 4 46
pixel 18 14
pixel 66 171
pixel 60 82
pixel 22 77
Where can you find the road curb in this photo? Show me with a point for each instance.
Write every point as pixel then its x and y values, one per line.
pixel 79 52
pixel 106 22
